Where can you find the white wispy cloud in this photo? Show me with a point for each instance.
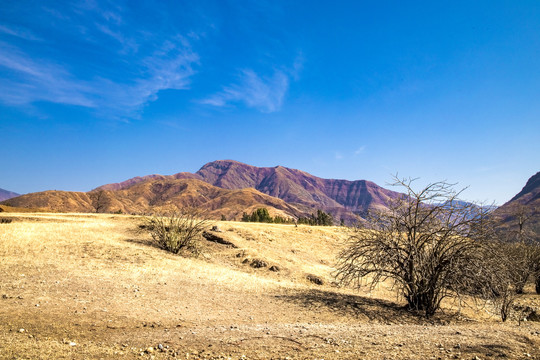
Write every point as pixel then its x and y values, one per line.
pixel 19 32
pixel 166 62
pixel 39 81
pixel 262 93
pixel 360 150
pixel 47 81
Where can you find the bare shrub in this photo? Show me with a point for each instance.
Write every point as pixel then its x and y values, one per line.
pixel 428 243
pixel 522 262
pixel 177 231
pixel 100 200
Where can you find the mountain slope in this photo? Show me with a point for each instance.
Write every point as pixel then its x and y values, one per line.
pixel 526 203
pixel 5 195
pixel 299 187
pixel 342 198
pixel 161 194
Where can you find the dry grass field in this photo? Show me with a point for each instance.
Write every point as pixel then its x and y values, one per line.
pixel 83 286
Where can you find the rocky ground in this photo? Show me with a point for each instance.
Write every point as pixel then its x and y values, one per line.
pixel 83 286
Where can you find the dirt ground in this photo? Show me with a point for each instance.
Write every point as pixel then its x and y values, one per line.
pixel 83 286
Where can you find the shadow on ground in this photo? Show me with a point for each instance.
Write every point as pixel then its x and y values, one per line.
pixel 376 310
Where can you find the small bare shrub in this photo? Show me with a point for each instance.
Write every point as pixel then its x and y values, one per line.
pixel 177 231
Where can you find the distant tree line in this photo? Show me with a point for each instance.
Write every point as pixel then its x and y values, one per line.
pixel 322 219
pixel 262 215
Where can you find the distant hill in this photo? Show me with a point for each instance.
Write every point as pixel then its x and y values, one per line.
pixel 125 184
pixel 527 202
pixel 160 193
pixel 6 195
pixel 342 198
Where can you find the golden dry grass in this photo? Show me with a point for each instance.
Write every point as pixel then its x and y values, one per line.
pixel 93 286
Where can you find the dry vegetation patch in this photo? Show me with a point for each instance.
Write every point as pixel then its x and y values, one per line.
pixel 93 286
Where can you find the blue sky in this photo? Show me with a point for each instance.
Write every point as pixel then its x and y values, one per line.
pixel 93 92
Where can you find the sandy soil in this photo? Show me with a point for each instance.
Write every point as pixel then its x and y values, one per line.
pixel 78 286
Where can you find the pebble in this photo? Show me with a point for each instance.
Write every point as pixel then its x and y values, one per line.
pixel 71 343
pixel 21 330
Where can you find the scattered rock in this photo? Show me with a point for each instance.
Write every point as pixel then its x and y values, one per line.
pixel 258 263
pixel 21 330
pixel 160 347
pixel 274 268
pixel 217 239
pixel 315 279
pixel 149 350
pixel 215 228
pixel 71 343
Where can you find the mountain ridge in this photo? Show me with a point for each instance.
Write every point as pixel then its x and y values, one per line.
pixel 343 198
pixel 527 203
pixel 161 195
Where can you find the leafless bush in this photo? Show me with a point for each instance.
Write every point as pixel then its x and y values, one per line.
pixel 100 200
pixel 428 243
pixel 523 260
pixel 177 231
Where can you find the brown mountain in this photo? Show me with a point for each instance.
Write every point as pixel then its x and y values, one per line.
pixel 228 187
pixel 304 191
pixel 161 194
pixel 298 187
pixel 526 204
pixel 5 195
pixel 138 179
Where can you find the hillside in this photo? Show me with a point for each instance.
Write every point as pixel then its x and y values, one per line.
pixel 94 287
pixel 5 195
pixel 158 193
pixel 526 203
pixel 342 198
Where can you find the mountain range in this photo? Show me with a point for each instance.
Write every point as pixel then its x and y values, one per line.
pixel 225 187
pixel 229 188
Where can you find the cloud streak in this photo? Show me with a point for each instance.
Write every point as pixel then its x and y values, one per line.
pixel 145 64
pixel 18 32
pixel 262 93
pixel 46 81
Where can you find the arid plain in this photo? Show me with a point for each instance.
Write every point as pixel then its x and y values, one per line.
pixel 90 286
